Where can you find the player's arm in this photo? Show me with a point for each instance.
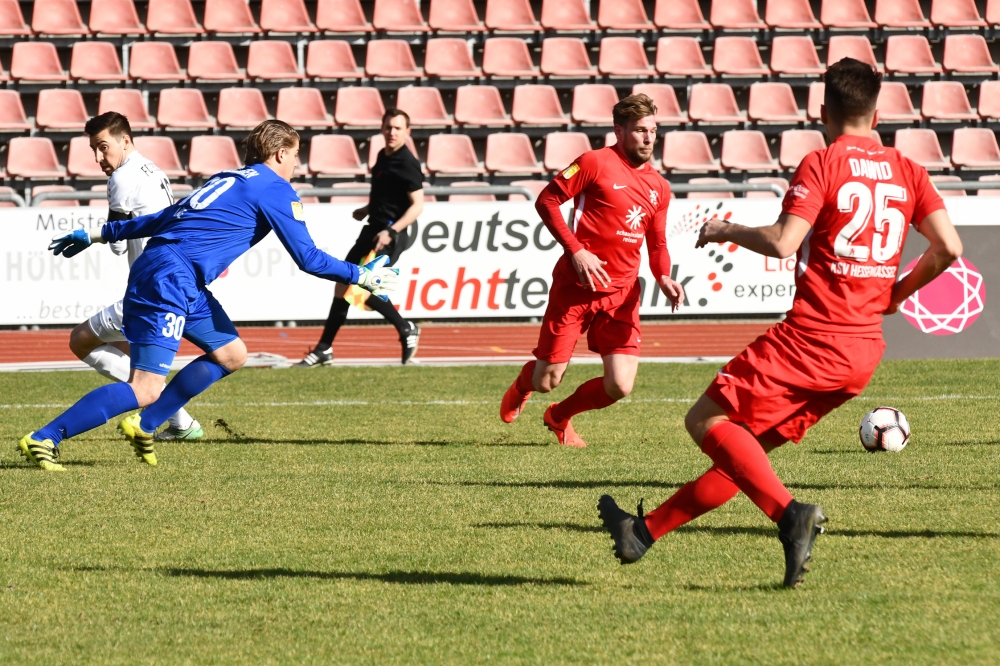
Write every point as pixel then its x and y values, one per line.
pixel 781 239
pixel 118 247
pixel 144 226
pixel 276 207
pixel 659 256
pixel 406 219
pixel 945 248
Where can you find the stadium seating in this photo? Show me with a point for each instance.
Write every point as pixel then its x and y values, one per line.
pixel 162 151
pixel 115 17
pixel 623 15
pixel 12 24
pixel 57 17
pixel 536 187
pixel 241 108
pixel 566 57
pixel 229 17
pixel 768 180
pixel 738 56
pixel 921 146
pixel 566 15
pixel 80 163
pixel 341 16
pixel 12 115
pixel 212 154
pixel 154 61
pixel 746 150
pixel 213 61
pixel 359 107
pixel 623 57
pixel 875 136
pixel 454 16
pixel 511 16
pixel 452 154
pixel 33 157
pixel 688 151
pixel 792 14
pixel 851 46
pixel 272 61
pixel 54 203
pixel 845 14
pixel 894 104
pixel 680 56
pixel 900 14
pixel 127 101
pixel 714 103
pixel 795 56
pixel 988 193
pixel 285 16
pixel 739 14
pixel 469 197
pixel 36 62
pixel 796 144
pixel 331 59
pixel 510 153
pixel 562 148
pixel 398 16
pixel 910 54
pixel 507 57
pixel 183 108
pixel 668 110
pixel 172 17
pixel 719 194
pixel 592 103
pixel 537 104
pixel 352 199
pixel 815 100
pixel 956 14
pixel 773 103
pixel 450 58
pixel 95 61
pixel 305 199
pixel 989 100
pixel 61 109
pixel 391 59
pixel 946 100
pixel 377 142
pixel 424 105
pixel 303 108
pixel 948 179
pixel 679 15
pixel 975 148
pixel 967 54
pixel 335 155
pixel 480 105
pixel 992 18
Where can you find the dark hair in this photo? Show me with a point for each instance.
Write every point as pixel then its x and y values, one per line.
pixel 392 112
pixel 632 108
pixel 851 91
pixel 267 139
pixel 116 124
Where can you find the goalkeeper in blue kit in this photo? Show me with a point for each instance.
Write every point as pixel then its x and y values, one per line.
pixel 190 244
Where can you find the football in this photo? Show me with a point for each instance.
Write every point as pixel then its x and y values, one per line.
pixel 884 429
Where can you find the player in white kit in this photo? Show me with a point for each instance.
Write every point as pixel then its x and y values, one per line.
pixel 135 187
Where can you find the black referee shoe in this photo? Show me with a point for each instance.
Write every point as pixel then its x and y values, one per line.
pixel 317 357
pixel 409 342
pixel 797 530
pixel 630 534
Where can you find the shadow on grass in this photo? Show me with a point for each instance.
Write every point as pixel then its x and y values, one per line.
pixel 560 483
pixel 349 441
pixel 993 442
pixel 887 486
pixel 762 587
pixel 400 577
pixel 568 527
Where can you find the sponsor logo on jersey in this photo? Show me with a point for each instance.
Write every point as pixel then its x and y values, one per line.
pixel 653 197
pixel 570 171
pixel 297 211
pixel 634 217
pixel 798 191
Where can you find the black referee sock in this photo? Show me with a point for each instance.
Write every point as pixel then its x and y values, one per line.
pixel 336 319
pixel 389 311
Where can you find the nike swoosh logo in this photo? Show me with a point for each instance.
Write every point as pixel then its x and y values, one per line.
pixel 620 187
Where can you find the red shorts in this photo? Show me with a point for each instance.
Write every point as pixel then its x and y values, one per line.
pixel 611 320
pixel 788 379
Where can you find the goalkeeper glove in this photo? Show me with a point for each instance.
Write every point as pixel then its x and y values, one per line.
pixel 71 244
pixel 377 279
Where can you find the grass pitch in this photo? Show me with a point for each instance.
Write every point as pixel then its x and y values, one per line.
pixel 387 516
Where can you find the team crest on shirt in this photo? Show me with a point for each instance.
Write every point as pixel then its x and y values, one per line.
pixel 298 212
pixel 570 171
pixel 634 217
pixel 653 197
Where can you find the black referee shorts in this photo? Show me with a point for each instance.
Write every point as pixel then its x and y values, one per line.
pixel 366 243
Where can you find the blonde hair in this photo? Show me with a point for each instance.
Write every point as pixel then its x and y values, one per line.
pixel 632 108
pixel 267 139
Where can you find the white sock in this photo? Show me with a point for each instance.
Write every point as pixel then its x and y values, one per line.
pixel 110 362
pixel 181 420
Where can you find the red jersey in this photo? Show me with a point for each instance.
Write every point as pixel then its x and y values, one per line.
pixel 615 206
pixel 860 198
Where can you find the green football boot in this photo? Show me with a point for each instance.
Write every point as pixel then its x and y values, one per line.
pixel 170 433
pixel 141 441
pixel 43 454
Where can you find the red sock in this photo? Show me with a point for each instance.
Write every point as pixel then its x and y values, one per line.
pixel 588 395
pixel 523 381
pixel 739 454
pixel 709 491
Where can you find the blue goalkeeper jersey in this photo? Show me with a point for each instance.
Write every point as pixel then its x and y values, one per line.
pixel 227 216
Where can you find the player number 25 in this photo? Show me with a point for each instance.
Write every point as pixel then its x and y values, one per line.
pixel 174 326
pixel 889 222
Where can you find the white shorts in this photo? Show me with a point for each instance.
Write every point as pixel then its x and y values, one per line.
pixel 107 324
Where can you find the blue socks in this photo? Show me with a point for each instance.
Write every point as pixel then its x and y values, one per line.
pixel 92 410
pixel 189 382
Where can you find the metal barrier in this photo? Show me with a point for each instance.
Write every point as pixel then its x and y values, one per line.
pixel 431 190
pixel 85 195
pixel 13 196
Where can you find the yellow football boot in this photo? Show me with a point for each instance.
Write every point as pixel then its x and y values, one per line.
pixel 43 454
pixel 141 441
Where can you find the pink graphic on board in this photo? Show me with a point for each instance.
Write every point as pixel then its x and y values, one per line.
pixel 950 303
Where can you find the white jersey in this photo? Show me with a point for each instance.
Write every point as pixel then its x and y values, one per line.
pixel 137 187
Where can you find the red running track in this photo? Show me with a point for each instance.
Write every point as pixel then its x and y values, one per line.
pixel 437 341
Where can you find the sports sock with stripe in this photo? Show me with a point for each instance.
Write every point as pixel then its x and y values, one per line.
pixel 709 491
pixel 189 382
pixel 110 362
pixel 523 383
pixel 589 395
pixel 738 453
pixel 92 410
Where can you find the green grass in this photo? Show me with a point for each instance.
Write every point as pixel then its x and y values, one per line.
pixel 432 533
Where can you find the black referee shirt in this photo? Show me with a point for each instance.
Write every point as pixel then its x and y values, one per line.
pixel 393 178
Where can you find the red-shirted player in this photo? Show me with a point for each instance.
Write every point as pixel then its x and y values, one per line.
pixel 619 200
pixel 846 214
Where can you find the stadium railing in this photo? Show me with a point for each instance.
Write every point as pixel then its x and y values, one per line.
pixel 14 197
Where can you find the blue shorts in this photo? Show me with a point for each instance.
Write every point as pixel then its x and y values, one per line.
pixel 162 304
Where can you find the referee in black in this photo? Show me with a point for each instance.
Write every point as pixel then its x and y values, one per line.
pixel 395 202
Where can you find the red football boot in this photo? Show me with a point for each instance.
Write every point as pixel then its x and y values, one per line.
pixel 563 430
pixel 513 403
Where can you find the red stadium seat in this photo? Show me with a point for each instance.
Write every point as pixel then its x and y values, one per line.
pixel 773 103
pixel 241 108
pixel 128 102
pixel 511 16
pixel 12 115
pixel 796 144
pixel 910 54
pixel 877 137
pixel 54 203
pixel 511 153
pixel 975 148
pixel 331 59
pixel 948 179
pixel 967 54
pixel 61 109
pixel 154 61
pixel 272 60
pixel 33 157
pixel 303 107
pixel 900 14
pixel 36 61
pixel 680 56
pixel 746 150
pixel 714 103
pixel 212 154
pixel 851 46
pixel 377 142
pixel 398 16
pixel 845 14
pixel 562 148
pixel 507 57
pixel 345 16
pixel 816 91
pixel 285 16
pixel 921 146
pixel 592 103
pixel 162 152
pixel 95 61
pixel 424 105
pixel 688 151
pixel 57 17
pixel 946 100
pixel 450 58
pixel 720 194
pixel 894 104
pixel 469 197
pixel 359 107
pixel 304 186
pixel 989 100
pixel 795 14
pixel 391 59
pixel 536 187
pixel 172 17
pixel 80 162
pixel 183 108
pixel 454 16
pixel 12 22
pixel 566 57
pixel 335 155
pixel 115 17
pixel 623 56
pixel 795 56
pixel 566 15
pixel 355 199
pixel 740 14
pixel 668 110
pixel 679 15
pixel 956 14
pixel 480 105
pixel 769 180
pixel 738 56
pixel 610 139
pixel 213 61
pixel 992 18
pixel 984 179
pixel 231 17
pixel 623 15
pixel 537 105
pixel 452 154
